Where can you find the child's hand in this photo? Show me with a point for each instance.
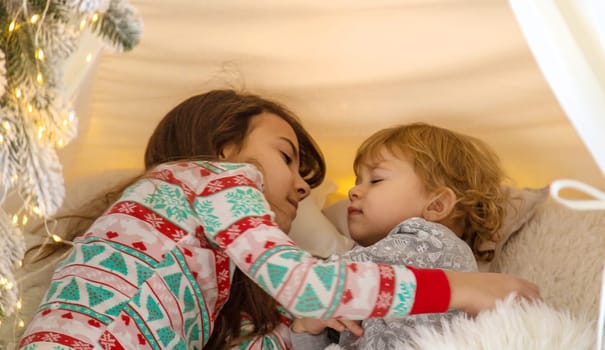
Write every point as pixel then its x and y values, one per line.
pixel 316 326
pixel 476 291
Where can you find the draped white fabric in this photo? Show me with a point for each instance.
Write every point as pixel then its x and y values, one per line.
pixel 346 67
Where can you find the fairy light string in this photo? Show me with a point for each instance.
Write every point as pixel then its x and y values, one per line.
pixel 37 38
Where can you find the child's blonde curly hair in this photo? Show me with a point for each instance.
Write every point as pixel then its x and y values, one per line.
pixel 443 158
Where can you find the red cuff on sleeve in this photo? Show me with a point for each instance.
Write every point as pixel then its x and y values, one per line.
pixel 433 291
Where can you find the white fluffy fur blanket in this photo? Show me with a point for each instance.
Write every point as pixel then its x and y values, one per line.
pixel 512 325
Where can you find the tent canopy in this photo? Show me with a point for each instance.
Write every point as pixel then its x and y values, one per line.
pixel 346 68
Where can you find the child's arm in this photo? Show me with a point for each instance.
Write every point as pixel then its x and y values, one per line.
pixel 308 341
pixel 311 334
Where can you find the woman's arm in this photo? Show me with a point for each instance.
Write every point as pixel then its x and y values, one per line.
pixel 476 291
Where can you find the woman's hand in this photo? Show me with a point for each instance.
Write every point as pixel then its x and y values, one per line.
pixel 316 326
pixel 472 292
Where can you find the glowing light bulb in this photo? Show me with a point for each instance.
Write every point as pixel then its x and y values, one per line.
pixel 40 54
pixel 34 18
pixel 60 143
pixel 36 210
pixel 56 238
pixel 39 78
pixel 82 24
pixel 19 304
pixel 9 285
pixel 95 17
pixel 6 125
pixel 11 26
pixel 30 108
pixel 1 139
pixel 24 220
pixel 15 219
pixel 21 324
pixel 40 131
pixel 18 93
pixel 88 58
pixel 72 116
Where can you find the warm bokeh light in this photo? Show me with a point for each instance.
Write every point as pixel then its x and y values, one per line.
pixel 343 185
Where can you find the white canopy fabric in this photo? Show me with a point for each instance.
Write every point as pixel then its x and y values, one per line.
pixel 346 67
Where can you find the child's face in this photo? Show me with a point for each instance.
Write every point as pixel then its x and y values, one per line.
pixel 386 193
pixel 272 143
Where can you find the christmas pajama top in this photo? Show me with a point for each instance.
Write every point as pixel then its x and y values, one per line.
pixel 154 271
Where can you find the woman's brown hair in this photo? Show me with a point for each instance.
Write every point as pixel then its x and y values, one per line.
pixel 204 124
pixel 200 127
pixel 444 158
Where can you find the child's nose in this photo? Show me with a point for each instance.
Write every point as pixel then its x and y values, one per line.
pixel 354 193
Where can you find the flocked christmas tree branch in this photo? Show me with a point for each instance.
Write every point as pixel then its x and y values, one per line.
pixel 36 39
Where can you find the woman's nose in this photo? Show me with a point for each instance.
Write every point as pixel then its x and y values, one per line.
pixel 302 188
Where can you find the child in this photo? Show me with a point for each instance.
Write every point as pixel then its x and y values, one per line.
pixel 421 193
pixel 176 262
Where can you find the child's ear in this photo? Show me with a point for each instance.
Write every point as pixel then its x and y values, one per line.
pixel 440 206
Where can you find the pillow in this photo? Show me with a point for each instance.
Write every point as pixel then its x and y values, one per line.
pixel 312 230
pixel 520 207
pixel 561 250
pixel 337 214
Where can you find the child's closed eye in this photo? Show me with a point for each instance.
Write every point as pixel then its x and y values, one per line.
pixel 375 181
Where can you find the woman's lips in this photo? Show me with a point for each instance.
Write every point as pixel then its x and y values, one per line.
pixel 294 203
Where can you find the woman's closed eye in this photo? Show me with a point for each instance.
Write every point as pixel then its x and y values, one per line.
pixel 375 181
pixel 286 157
